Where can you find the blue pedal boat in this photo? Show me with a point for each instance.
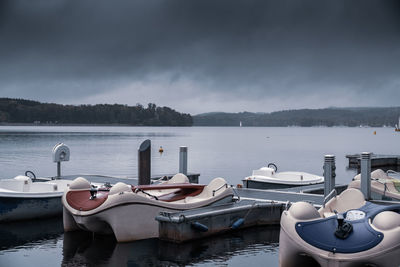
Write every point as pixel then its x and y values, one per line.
pixel 347 231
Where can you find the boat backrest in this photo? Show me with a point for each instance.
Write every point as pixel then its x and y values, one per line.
pixel 264 171
pixel 178 178
pixel 120 187
pixel 214 188
pixel 376 174
pixel 350 198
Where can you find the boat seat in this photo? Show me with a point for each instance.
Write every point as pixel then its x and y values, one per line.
pixel 181 194
pixel 349 199
pixel 178 178
pixel 80 200
pixel 214 188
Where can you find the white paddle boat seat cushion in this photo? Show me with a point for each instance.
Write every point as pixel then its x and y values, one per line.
pixel 178 178
pixel 119 187
pixel 214 188
pixel 349 199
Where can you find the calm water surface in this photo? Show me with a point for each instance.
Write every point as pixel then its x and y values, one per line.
pixel 229 152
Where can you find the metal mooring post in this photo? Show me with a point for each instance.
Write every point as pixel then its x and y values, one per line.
pixel 60 153
pixel 183 159
pixel 144 164
pixel 366 174
pixel 329 174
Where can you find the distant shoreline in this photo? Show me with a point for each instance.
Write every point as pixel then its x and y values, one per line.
pixel 209 126
pixel 79 124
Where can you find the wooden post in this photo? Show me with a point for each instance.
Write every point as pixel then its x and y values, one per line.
pixel 144 164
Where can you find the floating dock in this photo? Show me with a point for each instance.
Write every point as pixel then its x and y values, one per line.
pixel 255 207
pixel 377 161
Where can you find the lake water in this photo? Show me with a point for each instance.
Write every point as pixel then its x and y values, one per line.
pixel 229 152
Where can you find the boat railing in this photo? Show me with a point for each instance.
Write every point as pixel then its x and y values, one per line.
pixel 219 188
pixel 332 194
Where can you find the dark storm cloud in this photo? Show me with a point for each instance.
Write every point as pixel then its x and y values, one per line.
pixel 298 52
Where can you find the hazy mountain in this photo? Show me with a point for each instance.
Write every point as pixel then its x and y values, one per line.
pixel 364 116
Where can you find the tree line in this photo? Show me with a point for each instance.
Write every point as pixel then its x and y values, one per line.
pixel 351 117
pixel 28 111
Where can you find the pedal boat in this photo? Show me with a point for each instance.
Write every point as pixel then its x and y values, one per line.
pixel 22 199
pixel 383 186
pixel 129 212
pixel 347 231
pixel 269 178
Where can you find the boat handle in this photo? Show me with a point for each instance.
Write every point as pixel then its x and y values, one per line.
pixel 222 186
pixel 333 193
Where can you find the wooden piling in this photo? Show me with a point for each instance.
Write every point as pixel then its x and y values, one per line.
pixel 144 162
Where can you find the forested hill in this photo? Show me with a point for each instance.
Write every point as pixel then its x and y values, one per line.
pixel 27 111
pixel 304 117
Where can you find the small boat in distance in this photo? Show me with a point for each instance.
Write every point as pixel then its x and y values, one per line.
pixel 346 231
pixel 269 178
pixel 397 126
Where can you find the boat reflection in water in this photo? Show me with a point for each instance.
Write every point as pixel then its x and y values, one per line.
pixel 82 248
pixel 30 232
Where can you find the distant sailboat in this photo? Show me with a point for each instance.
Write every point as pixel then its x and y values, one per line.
pixel 240 124
pixel 397 126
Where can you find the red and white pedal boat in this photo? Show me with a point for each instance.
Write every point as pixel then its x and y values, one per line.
pixel 129 212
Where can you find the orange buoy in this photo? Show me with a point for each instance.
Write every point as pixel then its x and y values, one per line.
pixel 161 150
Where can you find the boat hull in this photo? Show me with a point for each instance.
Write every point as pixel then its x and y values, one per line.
pixel 265 185
pixel 129 213
pixel 293 251
pixel 130 222
pixel 14 208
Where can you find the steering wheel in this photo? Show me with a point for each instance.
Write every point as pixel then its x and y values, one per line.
pixel 273 166
pixel 31 175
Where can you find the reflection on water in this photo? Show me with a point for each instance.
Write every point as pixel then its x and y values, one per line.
pixel 81 248
pixel 27 234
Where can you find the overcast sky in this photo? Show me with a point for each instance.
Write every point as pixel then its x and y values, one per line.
pixel 204 55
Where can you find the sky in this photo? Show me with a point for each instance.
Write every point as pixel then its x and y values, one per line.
pixel 201 56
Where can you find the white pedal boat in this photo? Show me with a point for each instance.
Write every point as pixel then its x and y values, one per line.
pixel 369 234
pixel 383 186
pixel 22 199
pixel 129 212
pixel 269 178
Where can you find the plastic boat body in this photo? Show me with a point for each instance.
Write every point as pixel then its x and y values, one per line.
pixel 382 186
pixel 129 212
pixel 22 199
pixel 268 178
pixel 309 236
